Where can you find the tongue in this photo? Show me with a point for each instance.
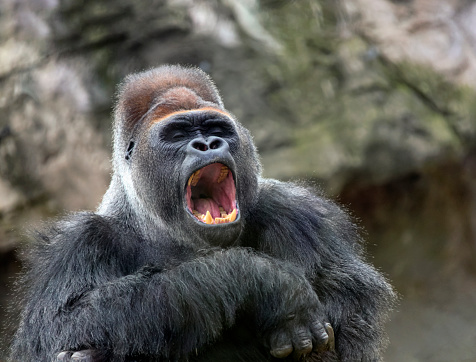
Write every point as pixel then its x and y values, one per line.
pixel 204 205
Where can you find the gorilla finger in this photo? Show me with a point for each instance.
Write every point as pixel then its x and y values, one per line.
pixel 302 342
pixel 331 344
pixel 280 343
pixel 64 356
pixel 320 336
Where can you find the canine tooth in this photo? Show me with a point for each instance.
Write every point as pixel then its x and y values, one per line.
pixel 193 180
pixel 208 218
pixel 223 174
pixel 232 216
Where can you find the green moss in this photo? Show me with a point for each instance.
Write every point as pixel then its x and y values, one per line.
pixel 353 109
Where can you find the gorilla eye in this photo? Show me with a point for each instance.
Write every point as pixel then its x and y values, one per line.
pixel 175 132
pixel 178 135
pixel 218 128
pixel 216 131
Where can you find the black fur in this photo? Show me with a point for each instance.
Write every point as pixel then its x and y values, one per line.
pixel 140 279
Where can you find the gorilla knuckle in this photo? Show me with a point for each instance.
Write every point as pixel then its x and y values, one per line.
pixel 64 356
pixel 303 346
pixel 282 352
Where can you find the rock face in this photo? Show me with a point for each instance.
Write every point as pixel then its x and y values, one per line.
pixel 371 99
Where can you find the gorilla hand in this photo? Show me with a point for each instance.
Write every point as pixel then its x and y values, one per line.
pixel 290 315
pixel 300 339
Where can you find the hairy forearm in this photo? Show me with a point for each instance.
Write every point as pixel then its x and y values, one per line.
pixel 357 307
pixel 170 303
pixel 198 299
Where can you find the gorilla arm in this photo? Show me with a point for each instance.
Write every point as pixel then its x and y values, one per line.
pixel 82 298
pixel 292 223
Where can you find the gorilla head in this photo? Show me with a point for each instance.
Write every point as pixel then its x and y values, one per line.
pixel 181 158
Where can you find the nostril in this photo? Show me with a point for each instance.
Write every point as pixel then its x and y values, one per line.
pixel 215 144
pixel 200 146
pixel 204 145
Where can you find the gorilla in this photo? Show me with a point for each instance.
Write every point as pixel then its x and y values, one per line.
pixel 193 256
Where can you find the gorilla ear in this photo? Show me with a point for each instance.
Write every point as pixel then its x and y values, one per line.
pixel 129 150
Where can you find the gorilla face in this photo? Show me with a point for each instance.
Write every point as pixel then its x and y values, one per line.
pixel 187 173
pixel 184 162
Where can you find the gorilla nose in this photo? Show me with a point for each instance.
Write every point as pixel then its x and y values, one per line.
pixel 200 146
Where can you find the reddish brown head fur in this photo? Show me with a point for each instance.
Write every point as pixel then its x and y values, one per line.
pixel 162 91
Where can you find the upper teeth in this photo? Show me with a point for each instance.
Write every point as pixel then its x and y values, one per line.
pixel 193 180
pixel 223 174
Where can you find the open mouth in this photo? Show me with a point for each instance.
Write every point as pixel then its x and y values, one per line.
pixel 211 195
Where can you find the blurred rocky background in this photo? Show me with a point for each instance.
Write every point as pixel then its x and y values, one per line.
pixel 371 100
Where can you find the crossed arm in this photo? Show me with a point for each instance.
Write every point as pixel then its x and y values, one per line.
pixel 170 313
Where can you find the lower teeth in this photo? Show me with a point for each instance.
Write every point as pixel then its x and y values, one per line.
pixel 208 219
